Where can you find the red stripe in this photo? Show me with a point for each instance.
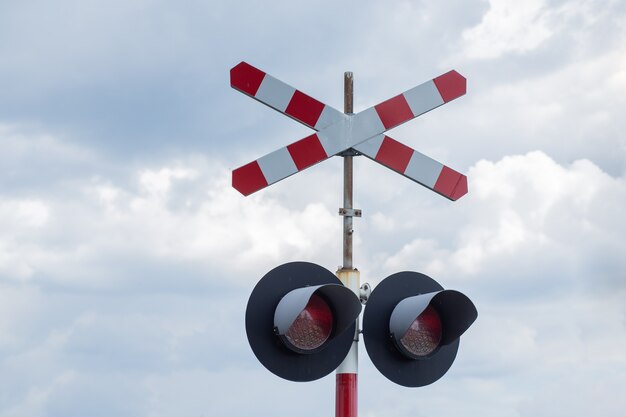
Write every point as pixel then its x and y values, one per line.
pixel 307 152
pixel 394 154
pixel 460 189
pixel 346 395
pixel 451 85
pixel 304 108
pixel 394 111
pixel 249 178
pixel 246 78
pixel 447 183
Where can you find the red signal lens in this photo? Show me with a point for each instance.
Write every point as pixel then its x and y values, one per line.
pixel 313 325
pixel 424 335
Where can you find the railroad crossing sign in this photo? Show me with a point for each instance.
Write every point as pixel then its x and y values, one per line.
pixel 301 321
pixel 337 132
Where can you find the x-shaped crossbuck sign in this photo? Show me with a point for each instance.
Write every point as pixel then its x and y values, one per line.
pixel 338 132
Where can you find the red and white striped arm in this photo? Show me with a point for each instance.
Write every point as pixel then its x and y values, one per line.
pixel 279 165
pixel 283 97
pixel 301 107
pixel 339 132
pixel 408 105
pixel 370 122
pixel 415 165
pixel 316 115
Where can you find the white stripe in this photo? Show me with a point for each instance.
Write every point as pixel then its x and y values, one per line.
pixel 277 165
pixel 365 125
pixel 352 280
pixel 331 143
pixel 371 147
pixel 328 117
pixel 423 169
pixel 423 98
pixel 275 93
pixel 350 364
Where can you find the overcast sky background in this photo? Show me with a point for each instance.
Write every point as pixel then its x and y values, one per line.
pixel 126 259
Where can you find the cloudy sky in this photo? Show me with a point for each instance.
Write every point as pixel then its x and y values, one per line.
pixel 126 259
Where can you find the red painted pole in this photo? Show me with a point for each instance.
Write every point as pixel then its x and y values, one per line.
pixel 346 395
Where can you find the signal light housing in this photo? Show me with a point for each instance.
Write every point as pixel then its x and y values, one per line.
pixel 301 321
pixel 412 326
pixel 310 329
pixel 423 335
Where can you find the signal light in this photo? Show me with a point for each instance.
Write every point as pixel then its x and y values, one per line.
pixel 412 326
pixel 423 335
pixel 311 328
pixel 301 321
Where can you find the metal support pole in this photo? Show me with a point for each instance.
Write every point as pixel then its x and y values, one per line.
pixel 346 378
pixel 348 88
pixel 347 219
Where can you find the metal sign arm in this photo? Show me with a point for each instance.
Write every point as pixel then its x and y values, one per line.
pixel 338 132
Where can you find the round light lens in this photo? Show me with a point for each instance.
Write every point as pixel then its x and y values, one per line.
pixel 424 335
pixel 313 325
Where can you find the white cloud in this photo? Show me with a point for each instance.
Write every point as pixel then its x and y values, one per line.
pixel 158 183
pixel 508 26
pixel 20 221
pixel 528 213
pixel 179 211
pixel 532 202
pixel 24 213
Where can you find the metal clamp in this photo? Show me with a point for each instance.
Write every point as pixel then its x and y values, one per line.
pixel 364 293
pixel 350 212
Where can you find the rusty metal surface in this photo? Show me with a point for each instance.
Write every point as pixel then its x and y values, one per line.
pixel 348 86
pixel 351 278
